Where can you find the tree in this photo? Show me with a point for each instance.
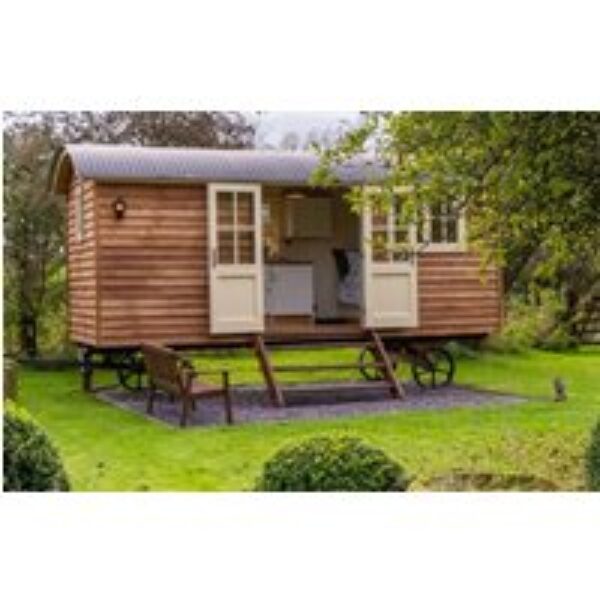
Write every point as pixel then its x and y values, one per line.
pixel 530 182
pixel 35 221
pixel 34 238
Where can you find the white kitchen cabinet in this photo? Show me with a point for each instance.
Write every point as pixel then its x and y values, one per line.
pixel 289 289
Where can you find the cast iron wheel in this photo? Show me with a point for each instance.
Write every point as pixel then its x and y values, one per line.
pixel 367 358
pixel 432 368
pixel 131 371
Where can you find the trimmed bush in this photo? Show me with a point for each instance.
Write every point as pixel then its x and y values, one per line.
pixel 592 460
pixel 31 462
pixel 324 464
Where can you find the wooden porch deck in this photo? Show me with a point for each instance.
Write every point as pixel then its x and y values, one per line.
pixel 281 330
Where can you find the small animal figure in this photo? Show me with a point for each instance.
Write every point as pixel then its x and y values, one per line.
pixel 560 390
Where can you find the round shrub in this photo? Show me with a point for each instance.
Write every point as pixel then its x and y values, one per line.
pixel 324 464
pixel 592 460
pixel 31 462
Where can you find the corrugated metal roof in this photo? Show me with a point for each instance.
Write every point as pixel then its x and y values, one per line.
pixel 116 162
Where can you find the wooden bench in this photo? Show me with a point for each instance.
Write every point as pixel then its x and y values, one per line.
pixel 171 373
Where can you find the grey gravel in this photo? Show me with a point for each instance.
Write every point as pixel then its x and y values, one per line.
pixel 251 404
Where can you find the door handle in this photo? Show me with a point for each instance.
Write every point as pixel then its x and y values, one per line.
pixel 214 257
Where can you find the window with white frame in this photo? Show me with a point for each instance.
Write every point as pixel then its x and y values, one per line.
pixel 390 237
pixel 441 227
pixel 235 227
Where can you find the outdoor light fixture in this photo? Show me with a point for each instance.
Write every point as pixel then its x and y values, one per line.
pixel 119 207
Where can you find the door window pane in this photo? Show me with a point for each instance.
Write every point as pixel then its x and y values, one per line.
pixel 236 232
pixel 225 209
pixel 436 230
pixel 452 230
pixel 225 247
pixel 379 220
pixel 245 241
pixel 380 249
pixel 245 208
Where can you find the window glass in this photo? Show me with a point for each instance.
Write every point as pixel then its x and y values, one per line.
pixel 380 235
pixel 225 247
pixel 245 208
pixel 225 209
pixel 452 230
pixel 437 235
pixel 380 246
pixel 443 224
pixel 245 242
pixel 235 228
pixel 390 237
pixel 379 220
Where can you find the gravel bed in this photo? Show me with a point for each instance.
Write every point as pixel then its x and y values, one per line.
pixel 251 404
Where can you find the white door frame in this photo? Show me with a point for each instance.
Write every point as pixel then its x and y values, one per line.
pixel 390 270
pixel 223 274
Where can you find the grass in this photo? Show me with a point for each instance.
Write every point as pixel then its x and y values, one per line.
pixel 106 448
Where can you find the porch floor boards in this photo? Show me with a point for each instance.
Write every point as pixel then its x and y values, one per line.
pixel 317 331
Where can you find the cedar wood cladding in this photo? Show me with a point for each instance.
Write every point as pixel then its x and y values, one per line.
pixel 456 297
pixel 153 265
pixel 145 277
pixel 81 265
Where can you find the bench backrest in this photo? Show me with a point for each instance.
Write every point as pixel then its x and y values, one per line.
pixel 164 368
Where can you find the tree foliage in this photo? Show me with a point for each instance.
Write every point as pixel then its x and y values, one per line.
pixel 34 221
pixel 529 182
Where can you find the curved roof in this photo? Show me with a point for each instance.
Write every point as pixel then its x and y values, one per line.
pixel 135 163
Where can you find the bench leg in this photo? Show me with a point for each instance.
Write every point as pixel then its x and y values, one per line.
pixel 227 399
pixel 87 369
pixel 150 401
pixel 185 411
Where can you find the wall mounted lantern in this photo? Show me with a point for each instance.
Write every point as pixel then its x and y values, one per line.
pixel 119 207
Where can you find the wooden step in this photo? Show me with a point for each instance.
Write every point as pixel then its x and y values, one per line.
pixel 346 386
pixel 327 367
pixel 264 360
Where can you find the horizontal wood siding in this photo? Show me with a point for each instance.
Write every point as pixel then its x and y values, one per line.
pixel 145 277
pixel 153 265
pixel 81 265
pixel 456 297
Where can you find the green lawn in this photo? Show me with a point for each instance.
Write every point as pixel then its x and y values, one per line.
pixel 106 448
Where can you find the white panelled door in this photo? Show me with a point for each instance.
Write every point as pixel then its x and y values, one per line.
pixel 236 264
pixel 390 274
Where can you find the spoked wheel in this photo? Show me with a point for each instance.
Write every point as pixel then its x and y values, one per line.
pixel 432 368
pixel 131 371
pixel 365 364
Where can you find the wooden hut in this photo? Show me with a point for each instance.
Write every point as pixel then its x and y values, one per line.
pixel 195 248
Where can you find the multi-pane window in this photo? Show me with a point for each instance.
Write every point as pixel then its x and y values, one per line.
pixel 440 225
pixel 389 237
pixel 235 228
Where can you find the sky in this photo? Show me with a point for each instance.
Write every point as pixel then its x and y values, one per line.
pixel 271 127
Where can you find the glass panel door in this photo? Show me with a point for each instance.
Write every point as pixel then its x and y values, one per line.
pixel 236 270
